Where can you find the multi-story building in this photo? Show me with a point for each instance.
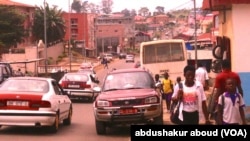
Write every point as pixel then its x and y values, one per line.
pixel 80 29
pixel 113 33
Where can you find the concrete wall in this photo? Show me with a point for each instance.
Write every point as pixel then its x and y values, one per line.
pixel 33 52
pixel 235 25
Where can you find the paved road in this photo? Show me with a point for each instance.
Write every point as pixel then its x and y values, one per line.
pixel 166 115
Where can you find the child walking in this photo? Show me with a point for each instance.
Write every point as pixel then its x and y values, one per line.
pixel 167 85
pixel 230 105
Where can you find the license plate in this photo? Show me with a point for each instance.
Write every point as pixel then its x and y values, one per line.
pixel 74 86
pixel 128 111
pixel 17 103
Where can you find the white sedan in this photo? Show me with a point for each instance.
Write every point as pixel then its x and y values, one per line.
pixel 130 58
pixel 34 101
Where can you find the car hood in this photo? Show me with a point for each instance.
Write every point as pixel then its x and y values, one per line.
pixel 129 93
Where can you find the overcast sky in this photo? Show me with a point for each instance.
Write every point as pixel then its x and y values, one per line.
pixel 122 4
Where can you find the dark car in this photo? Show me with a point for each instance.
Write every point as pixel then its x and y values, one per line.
pixel 122 55
pixel 4 73
pixel 128 96
pixel 8 66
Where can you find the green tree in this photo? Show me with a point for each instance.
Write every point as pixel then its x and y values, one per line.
pixel 76 6
pixel 55 25
pixel 144 11
pixel 126 12
pixel 107 6
pixel 159 10
pixel 11 26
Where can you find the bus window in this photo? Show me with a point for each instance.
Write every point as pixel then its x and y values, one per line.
pixel 164 55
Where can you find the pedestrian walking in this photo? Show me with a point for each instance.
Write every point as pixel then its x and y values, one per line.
pixel 230 105
pixel 220 81
pixel 159 83
pixel 19 72
pixel 178 80
pixel 202 76
pixel 105 61
pixel 167 85
pixel 192 99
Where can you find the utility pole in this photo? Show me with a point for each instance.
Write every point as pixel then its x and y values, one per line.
pixel 69 43
pixel 195 34
pixel 45 39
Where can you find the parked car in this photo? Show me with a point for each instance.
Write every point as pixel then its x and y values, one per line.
pixel 128 96
pixel 8 66
pixel 86 65
pixel 4 73
pixel 108 56
pixel 34 101
pixel 89 71
pixel 130 58
pixel 122 55
pixel 79 86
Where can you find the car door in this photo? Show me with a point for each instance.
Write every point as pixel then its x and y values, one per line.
pixel 62 99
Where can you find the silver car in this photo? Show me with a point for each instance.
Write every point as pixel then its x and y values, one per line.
pixel 79 85
pixel 34 102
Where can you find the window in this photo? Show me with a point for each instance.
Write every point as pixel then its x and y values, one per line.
pixel 165 52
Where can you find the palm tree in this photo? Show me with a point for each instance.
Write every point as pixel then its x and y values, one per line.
pixel 55 24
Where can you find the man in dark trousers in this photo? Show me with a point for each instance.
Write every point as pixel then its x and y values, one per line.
pixel 105 62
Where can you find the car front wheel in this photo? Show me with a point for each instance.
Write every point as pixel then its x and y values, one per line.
pixel 100 127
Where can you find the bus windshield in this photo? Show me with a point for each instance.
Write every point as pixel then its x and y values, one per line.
pixel 164 56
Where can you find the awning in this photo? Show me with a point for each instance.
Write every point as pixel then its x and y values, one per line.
pixel 221 4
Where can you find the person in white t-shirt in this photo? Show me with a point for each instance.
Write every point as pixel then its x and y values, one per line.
pixel 192 98
pixel 202 76
pixel 230 105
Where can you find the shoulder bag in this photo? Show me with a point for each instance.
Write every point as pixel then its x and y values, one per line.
pixel 174 112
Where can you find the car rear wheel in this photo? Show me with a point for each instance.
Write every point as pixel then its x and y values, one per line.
pixel 100 127
pixel 54 128
pixel 67 121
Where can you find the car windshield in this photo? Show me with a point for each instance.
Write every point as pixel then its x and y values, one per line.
pixel 25 85
pixel 129 80
pixel 75 77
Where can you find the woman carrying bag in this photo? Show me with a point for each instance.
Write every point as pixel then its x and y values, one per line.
pixel 192 99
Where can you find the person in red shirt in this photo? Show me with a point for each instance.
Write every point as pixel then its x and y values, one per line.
pixel 226 73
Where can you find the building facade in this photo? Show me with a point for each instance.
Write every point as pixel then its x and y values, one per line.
pixel 113 33
pixel 233 23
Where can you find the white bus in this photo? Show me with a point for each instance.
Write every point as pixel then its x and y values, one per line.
pixel 164 56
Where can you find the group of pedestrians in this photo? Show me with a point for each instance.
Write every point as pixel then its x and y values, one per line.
pixel 193 101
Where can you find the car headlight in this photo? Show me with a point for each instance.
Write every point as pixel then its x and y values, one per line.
pixel 101 103
pixel 151 100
